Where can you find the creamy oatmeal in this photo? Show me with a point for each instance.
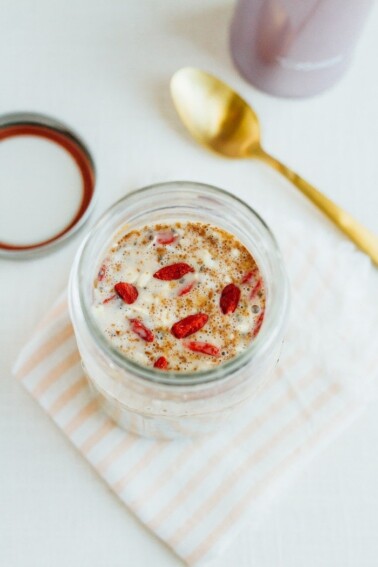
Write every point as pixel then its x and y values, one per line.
pixel 181 297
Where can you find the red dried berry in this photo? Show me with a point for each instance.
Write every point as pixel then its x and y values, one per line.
pixel 189 325
pixel 259 322
pixel 109 298
pixel 256 289
pixel 141 330
pixel 173 272
pixel 203 348
pixel 101 273
pixel 249 276
pixel 161 363
pixel 166 237
pixel 186 289
pixel 127 292
pixel 229 298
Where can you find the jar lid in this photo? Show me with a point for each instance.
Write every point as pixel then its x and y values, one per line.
pixel 47 184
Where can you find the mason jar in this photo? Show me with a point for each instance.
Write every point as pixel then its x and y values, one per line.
pixel 165 404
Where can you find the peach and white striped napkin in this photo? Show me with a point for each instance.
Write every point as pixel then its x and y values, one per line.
pixel 197 494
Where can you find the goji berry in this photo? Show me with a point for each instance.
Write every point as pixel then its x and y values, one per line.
pixel 229 298
pixel 259 322
pixel 256 289
pixel 141 330
pixel 161 363
pixel 249 276
pixel 186 289
pixel 101 273
pixel 126 291
pixel 203 348
pixel 109 298
pixel 189 325
pixel 173 271
pixel 166 237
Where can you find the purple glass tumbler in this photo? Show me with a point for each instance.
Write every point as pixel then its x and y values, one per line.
pixel 295 47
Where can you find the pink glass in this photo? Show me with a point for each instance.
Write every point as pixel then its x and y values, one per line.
pixel 296 47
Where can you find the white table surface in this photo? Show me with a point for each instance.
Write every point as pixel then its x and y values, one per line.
pixel 103 66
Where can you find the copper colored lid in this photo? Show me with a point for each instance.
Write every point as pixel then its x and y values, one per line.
pixel 47 184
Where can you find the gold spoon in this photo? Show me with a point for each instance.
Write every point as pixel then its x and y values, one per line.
pixel 221 120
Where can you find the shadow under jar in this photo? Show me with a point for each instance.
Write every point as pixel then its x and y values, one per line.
pixel 165 404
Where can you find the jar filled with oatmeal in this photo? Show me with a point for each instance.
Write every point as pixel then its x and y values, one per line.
pixel 178 298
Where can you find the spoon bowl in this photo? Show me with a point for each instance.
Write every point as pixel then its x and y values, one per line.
pixel 214 114
pixel 222 121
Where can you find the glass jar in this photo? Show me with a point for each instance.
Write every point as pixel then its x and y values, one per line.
pixel 163 404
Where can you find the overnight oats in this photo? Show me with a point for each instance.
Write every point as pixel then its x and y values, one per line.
pixel 183 297
pixel 178 299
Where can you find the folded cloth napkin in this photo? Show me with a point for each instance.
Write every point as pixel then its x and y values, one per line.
pixel 197 494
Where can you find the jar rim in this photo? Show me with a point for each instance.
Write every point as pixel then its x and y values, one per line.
pixel 274 319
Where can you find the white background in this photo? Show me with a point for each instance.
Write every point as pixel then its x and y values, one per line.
pixel 103 66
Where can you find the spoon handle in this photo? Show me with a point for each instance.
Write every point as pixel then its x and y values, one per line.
pixel 366 240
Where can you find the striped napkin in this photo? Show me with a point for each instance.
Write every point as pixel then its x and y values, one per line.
pixel 197 494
